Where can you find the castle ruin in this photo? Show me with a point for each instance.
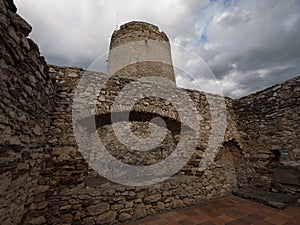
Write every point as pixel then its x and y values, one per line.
pixel 46 180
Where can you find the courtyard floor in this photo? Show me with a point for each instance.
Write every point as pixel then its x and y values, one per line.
pixel 230 210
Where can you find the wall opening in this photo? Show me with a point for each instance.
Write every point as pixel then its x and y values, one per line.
pixel 233 162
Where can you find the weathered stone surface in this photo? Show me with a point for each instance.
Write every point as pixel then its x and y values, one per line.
pixel 64 153
pixel 98 208
pixel 107 217
pixel 37 221
pixel 41 189
pixel 5 182
pixel 124 217
pixel 152 198
pixel 139 211
pixel 88 221
pixel 40 205
pixel 176 204
pixel 77 216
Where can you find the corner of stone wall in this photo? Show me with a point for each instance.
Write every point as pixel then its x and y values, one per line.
pixel 268 122
pixel 26 107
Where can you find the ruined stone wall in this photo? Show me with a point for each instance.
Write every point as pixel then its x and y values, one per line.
pixel 26 106
pixel 44 177
pixel 269 121
pixel 78 193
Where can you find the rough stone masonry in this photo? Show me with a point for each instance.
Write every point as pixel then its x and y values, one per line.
pixel 44 178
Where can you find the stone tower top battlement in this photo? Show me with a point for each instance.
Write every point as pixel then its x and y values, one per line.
pixel 136 31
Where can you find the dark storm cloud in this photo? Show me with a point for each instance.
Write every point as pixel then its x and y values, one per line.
pixel 249 45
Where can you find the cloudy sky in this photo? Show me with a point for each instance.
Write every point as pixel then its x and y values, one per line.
pixel 248 45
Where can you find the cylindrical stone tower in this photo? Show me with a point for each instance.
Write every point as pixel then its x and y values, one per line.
pixel 139 49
